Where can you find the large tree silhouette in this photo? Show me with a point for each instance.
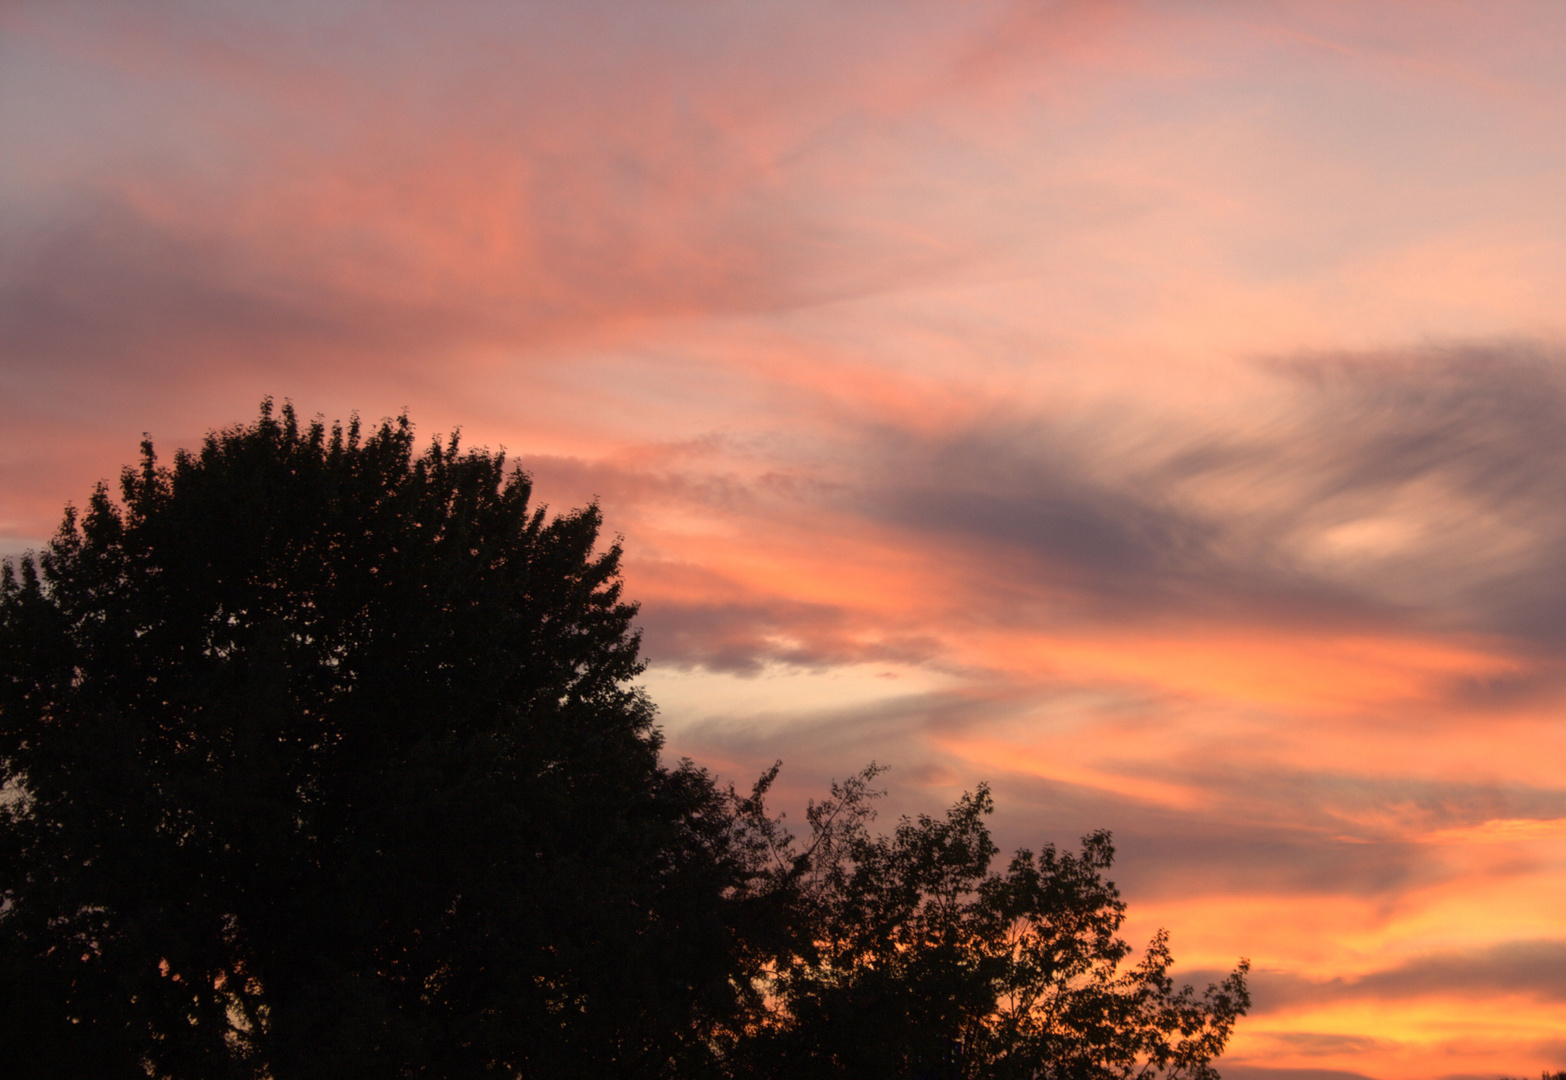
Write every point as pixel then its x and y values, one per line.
pixel 321 759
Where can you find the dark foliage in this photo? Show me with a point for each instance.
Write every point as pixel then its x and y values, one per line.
pixel 915 960
pixel 321 758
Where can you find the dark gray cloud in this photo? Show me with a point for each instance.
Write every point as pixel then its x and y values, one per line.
pixel 1239 849
pixel 113 324
pixel 1455 454
pixel 1017 487
pixel 1485 417
pixel 1462 445
pixel 101 292
pixel 739 638
pixel 1534 968
pixel 1047 538
pixel 1322 1043
pixel 1478 424
pixel 1261 1072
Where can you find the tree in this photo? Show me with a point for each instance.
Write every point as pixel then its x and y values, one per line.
pixel 914 960
pixel 321 758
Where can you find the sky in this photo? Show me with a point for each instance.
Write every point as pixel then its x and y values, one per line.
pixel 1156 410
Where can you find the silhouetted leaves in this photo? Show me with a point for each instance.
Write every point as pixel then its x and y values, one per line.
pixel 916 961
pixel 324 760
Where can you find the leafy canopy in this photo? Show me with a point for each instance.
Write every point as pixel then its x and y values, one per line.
pixel 914 959
pixel 324 760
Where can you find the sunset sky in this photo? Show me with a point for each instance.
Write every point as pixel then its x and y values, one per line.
pixel 1157 410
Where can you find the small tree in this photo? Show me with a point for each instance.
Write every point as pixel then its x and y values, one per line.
pixel 915 960
pixel 320 758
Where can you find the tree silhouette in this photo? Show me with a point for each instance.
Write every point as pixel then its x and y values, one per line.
pixel 321 759
pixel 915 960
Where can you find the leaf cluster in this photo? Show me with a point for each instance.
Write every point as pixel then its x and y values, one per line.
pixel 913 958
pixel 323 758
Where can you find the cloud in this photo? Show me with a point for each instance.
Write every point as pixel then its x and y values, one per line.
pixel 522 175
pixel 1419 499
pixel 1533 969
pixel 1458 442
pixel 1020 489
pixel 112 296
pixel 1322 1044
pixel 1261 1072
pixel 741 638
pixel 1423 488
